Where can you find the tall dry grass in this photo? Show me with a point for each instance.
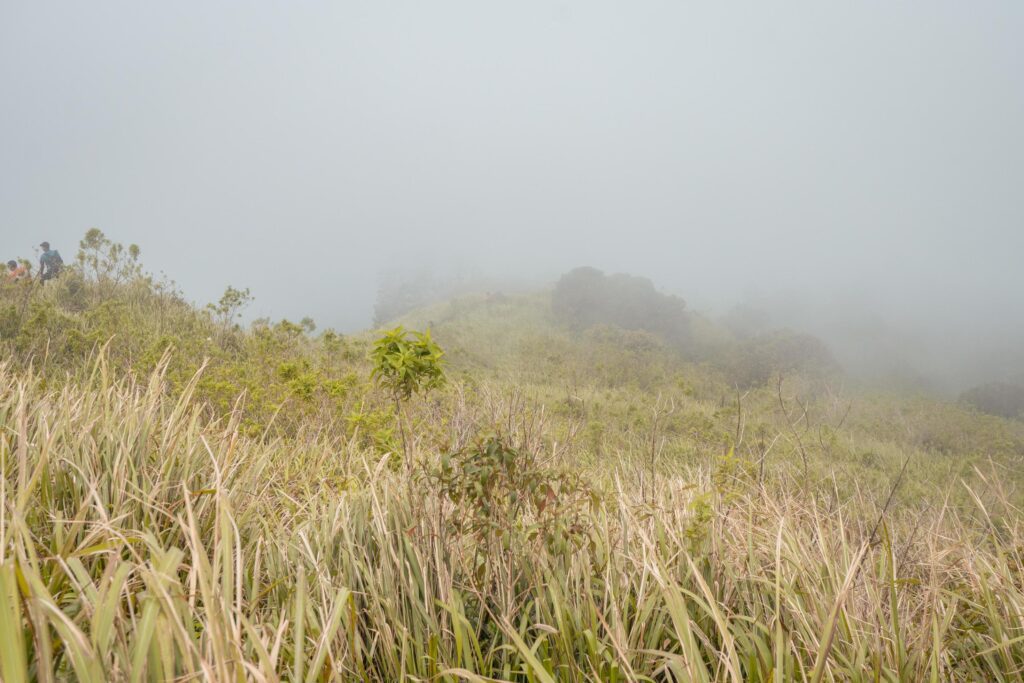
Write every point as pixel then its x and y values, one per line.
pixel 141 541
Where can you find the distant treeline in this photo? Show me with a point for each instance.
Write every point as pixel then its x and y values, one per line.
pixel 750 355
pixel 586 296
pixel 1005 399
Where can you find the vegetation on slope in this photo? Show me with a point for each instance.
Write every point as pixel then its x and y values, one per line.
pixel 1005 399
pixel 185 498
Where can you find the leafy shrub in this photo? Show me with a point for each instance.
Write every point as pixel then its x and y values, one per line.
pixel 502 494
pixel 407 363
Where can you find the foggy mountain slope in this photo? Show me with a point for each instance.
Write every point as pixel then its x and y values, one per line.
pixel 626 314
pixel 603 373
pixel 697 353
pixel 553 453
pixel 534 338
pixel 941 345
pixel 873 345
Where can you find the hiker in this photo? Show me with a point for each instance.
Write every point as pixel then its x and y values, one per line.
pixel 16 271
pixel 50 263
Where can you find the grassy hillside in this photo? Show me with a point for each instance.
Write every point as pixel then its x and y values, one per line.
pixel 610 383
pixel 184 498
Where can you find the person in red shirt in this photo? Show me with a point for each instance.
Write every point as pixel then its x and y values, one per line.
pixel 16 271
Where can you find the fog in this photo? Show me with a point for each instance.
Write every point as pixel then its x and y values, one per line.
pixel 856 169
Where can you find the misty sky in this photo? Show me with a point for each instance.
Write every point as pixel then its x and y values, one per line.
pixel 870 153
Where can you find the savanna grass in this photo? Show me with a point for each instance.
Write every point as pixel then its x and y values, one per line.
pixel 142 540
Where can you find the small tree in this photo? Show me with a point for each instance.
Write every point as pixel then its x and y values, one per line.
pixel 107 262
pixel 230 306
pixel 406 363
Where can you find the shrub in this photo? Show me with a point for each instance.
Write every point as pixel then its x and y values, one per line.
pixel 407 363
pixel 502 494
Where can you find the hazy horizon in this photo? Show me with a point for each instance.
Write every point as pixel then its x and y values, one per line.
pixel 839 164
